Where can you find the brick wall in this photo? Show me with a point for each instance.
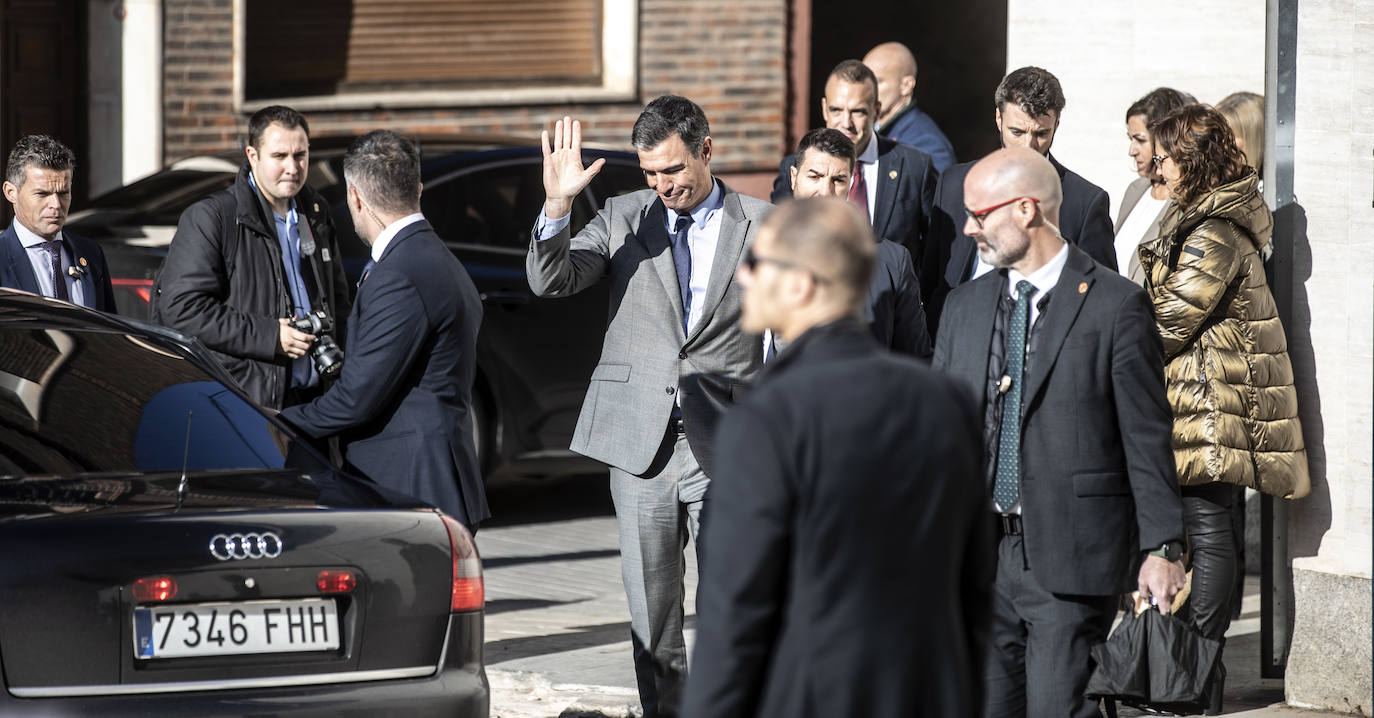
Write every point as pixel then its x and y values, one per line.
pixel 727 55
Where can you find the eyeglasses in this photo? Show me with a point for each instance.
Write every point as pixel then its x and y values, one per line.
pixel 752 261
pixel 979 215
pixel 1158 160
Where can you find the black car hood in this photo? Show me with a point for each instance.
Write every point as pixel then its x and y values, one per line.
pixel 32 496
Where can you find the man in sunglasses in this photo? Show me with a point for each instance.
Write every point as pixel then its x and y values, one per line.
pixel 824 167
pixel 1065 357
pixel 847 556
pixel 1029 102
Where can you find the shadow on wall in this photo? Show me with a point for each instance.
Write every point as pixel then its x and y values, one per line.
pixel 1314 511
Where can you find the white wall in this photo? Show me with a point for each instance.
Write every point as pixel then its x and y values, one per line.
pixel 1108 53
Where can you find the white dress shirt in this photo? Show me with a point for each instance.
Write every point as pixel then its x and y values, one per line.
pixel 42 265
pixel 379 244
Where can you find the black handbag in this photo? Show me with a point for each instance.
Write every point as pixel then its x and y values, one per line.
pixel 1156 663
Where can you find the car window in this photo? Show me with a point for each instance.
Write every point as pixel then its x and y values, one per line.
pixel 93 401
pixel 495 205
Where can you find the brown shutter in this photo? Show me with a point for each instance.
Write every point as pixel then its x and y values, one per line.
pixel 326 47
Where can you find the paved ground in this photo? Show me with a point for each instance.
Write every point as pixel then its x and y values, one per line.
pixel 557 626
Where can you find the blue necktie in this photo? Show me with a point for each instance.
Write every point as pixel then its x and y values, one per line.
pixel 682 262
pixel 1007 491
pixel 59 283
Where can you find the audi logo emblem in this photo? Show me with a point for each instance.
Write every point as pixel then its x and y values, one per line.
pixel 236 547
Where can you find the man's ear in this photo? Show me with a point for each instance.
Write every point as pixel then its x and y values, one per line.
pixel 706 149
pixel 907 85
pixel 422 190
pixel 997 118
pixel 11 191
pixel 252 153
pixel 792 170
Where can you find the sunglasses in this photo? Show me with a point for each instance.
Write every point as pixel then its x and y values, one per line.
pixel 751 262
pixel 981 214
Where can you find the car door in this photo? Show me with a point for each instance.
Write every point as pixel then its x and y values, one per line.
pixel 535 356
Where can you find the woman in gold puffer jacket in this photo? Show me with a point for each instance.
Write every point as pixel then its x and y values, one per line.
pixel 1229 379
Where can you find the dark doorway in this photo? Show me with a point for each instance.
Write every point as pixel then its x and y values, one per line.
pixel 42 88
pixel 960 49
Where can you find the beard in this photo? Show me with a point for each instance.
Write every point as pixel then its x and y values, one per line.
pixel 1005 252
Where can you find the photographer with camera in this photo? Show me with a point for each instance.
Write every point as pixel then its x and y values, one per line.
pixel 254 271
pixel 402 406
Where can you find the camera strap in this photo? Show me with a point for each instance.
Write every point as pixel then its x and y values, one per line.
pixel 308 249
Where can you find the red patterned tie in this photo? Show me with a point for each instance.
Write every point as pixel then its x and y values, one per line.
pixel 858 192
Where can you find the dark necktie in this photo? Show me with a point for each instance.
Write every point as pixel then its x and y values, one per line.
pixel 1006 491
pixel 682 262
pixel 59 283
pixel 858 192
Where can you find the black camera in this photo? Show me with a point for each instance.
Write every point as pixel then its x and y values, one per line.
pixel 327 355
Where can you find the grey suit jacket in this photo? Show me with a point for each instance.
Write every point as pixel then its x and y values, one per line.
pixel 645 358
pixel 1134 191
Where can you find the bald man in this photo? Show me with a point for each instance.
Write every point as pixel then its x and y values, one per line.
pixel 1080 477
pixel 899 119
pixel 841 515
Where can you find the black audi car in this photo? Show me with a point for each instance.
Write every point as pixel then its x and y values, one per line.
pixel 482 194
pixel 170 549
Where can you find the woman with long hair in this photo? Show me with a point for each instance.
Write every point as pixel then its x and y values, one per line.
pixel 1146 199
pixel 1229 379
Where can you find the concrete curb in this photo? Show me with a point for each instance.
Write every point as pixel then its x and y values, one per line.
pixel 522 694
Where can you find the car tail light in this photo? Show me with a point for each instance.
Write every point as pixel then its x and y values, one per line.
pixel 143 288
pixel 336 581
pixel 154 589
pixel 467 593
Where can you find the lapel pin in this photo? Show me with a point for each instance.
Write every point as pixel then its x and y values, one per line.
pixel 317 207
pixel 82 260
pixel 1005 385
pixel 1082 287
pixel 892 174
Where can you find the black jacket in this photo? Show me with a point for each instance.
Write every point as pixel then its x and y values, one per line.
pixel 1083 220
pixel 223 283
pixel 894 310
pixel 846 546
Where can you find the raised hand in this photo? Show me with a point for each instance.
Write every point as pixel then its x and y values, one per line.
pixel 564 176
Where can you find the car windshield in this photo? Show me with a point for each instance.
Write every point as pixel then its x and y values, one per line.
pixel 81 401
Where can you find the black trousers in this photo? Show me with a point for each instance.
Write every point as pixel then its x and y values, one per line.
pixel 1211 537
pixel 1039 662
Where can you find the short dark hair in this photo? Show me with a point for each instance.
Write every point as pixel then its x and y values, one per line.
pixel 855 71
pixel 39 151
pixel 385 168
pixel 1032 89
pixel 1201 143
pixel 280 114
pixel 670 115
pixel 831 142
pixel 1158 103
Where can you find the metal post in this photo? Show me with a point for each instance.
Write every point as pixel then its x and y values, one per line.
pixel 1280 105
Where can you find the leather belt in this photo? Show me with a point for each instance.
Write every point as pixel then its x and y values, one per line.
pixel 675 426
pixel 1009 525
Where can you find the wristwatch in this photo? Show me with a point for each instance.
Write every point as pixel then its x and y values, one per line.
pixel 1171 551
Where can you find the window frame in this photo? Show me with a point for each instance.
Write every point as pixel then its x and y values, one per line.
pixel 619 76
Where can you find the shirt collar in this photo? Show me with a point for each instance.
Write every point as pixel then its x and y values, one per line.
pixel 383 239
pixel 870 153
pixel 702 212
pixel 28 237
pixel 1043 278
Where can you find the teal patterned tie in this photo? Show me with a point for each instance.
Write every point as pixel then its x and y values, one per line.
pixel 1006 491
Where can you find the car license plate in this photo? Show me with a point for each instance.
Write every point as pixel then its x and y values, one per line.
pixel 223 629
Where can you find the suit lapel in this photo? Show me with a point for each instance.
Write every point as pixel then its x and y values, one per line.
pixel 734 227
pixel 888 163
pixel 1069 294
pixel 87 280
pixel 653 234
pixel 18 259
pixel 978 336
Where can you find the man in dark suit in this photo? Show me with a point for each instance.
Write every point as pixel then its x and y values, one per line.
pixel 825 168
pixel 1029 103
pixel 403 401
pixel 846 548
pixel 1065 356
pixel 673 356
pixel 893 184
pixel 36 254
pixel 901 120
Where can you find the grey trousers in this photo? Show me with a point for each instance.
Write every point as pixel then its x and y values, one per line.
pixel 656 512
